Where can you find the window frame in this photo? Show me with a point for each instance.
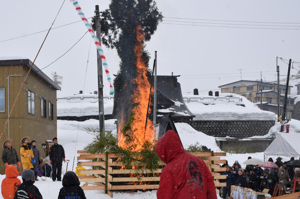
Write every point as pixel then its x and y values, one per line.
pixel 3 88
pixel 30 102
pixel 43 107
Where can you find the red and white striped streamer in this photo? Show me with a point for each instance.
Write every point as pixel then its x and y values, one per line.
pixel 96 41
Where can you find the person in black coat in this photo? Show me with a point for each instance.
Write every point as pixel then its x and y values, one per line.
pixel 71 188
pixel 291 169
pixel 57 155
pixel 275 179
pixel 241 181
pixel 251 180
pixel 27 189
pixel 235 173
pixel 278 162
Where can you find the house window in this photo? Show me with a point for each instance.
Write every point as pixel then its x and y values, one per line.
pixel 269 99
pixel 31 104
pixel 249 88
pixel 2 99
pixel 236 89
pixel 43 108
pixel 50 111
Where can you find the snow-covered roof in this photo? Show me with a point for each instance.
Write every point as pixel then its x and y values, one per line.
pixel 82 105
pixel 228 106
pixel 12 58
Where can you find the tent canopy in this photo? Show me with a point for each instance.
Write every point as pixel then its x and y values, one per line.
pixel 285 144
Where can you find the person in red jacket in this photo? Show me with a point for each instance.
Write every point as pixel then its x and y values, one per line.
pixel 185 176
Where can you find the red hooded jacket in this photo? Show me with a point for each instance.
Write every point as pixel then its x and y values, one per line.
pixel 8 187
pixel 185 176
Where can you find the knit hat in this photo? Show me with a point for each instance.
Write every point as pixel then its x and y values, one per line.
pixel 55 138
pixel 27 174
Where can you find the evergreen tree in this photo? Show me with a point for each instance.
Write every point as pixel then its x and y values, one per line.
pixel 118 26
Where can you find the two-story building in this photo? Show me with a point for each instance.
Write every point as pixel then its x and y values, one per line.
pixel 34 113
pixel 264 94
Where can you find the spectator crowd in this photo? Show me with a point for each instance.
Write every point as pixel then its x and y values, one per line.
pixel 257 178
pixel 33 167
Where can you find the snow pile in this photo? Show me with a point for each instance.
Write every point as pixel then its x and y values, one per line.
pixel 190 136
pixel 294 127
pixel 226 107
pixel 83 105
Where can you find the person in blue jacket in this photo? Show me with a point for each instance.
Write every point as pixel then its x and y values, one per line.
pixel 228 180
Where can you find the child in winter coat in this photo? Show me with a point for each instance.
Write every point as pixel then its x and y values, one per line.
pixel 8 187
pixel 27 189
pixel 71 188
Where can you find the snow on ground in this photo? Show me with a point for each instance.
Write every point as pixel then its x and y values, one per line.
pixel 226 107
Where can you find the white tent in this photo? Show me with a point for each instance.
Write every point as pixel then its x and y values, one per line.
pixel 285 144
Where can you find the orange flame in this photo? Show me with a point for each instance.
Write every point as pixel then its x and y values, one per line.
pixel 139 135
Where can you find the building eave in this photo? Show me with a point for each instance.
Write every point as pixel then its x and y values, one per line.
pixel 35 69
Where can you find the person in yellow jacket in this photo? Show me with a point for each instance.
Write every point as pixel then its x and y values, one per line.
pixel 26 154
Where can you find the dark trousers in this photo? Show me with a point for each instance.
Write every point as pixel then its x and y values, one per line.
pixel 35 170
pixel 226 190
pixel 56 170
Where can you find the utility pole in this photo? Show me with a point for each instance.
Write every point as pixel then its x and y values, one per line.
pixel 278 91
pixel 261 91
pixel 155 94
pixel 100 77
pixel 286 92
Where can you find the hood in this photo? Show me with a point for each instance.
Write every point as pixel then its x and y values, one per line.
pixel 169 146
pixel 70 179
pixel 11 171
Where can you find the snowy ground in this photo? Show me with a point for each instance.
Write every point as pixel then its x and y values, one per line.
pixel 75 136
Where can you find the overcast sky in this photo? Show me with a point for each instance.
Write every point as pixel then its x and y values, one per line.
pixel 207 43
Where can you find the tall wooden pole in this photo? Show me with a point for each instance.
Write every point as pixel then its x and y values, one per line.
pixel 286 91
pixel 155 94
pixel 278 91
pixel 100 77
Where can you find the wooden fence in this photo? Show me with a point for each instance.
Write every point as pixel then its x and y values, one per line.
pixel 109 172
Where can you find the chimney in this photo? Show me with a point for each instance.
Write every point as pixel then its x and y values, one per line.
pixel 196 91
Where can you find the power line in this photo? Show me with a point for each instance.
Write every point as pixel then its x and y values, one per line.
pixel 232 24
pixel 226 26
pixel 38 32
pixel 65 52
pixel 233 21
